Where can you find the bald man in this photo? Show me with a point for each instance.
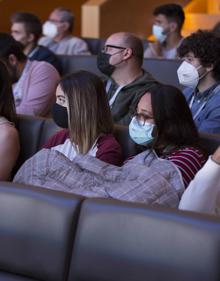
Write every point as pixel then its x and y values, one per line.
pixel 121 61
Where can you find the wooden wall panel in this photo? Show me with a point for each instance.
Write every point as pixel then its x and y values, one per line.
pixel 121 15
pixel 40 7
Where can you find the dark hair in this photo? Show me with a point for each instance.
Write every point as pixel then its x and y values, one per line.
pixel 206 47
pixel 7 107
pixel 32 23
pixel 216 29
pixel 173 118
pixel 9 46
pixel 173 12
pixel 133 42
pixel 89 111
pixel 67 16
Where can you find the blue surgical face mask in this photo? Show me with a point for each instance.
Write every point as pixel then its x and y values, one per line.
pixel 140 132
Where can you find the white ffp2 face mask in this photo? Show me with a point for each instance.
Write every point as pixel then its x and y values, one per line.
pixel 158 32
pixel 188 75
pixel 50 29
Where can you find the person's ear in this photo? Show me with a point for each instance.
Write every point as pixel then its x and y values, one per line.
pixel 173 26
pixel 30 38
pixel 12 59
pixel 128 53
pixel 65 26
pixel 210 68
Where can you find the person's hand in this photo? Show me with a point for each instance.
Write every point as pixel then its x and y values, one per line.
pixel 216 156
pixel 156 48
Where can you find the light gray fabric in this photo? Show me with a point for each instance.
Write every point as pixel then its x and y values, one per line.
pixel 145 178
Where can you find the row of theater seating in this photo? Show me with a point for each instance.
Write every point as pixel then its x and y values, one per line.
pixel 53 236
pixel 95 45
pixel 34 131
pixel 47 235
pixel 163 70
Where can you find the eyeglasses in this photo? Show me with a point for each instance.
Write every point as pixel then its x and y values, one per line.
pixel 56 21
pixel 105 48
pixel 142 118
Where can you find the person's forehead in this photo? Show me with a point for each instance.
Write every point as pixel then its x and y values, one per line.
pixel 116 40
pixel 56 15
pixel 59 91
pixel 18 26
pixel 145 103
pixel 161 18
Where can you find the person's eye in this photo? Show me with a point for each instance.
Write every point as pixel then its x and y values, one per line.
pixel 61 100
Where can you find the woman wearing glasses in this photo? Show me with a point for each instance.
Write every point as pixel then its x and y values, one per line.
pixel 163 121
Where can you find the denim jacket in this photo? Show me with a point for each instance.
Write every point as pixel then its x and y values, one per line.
pixel 205 108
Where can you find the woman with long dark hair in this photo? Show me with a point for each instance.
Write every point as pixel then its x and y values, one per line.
pixel 164 121
pixel 9 140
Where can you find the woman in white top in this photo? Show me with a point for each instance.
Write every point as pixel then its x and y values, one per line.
pixel 9 139
pixel 203 192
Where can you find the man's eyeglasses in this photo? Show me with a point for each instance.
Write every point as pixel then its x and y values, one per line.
pixel 56 21
pixel 106 48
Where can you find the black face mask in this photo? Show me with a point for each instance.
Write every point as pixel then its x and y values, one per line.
pixel 60 116
pixel 103 64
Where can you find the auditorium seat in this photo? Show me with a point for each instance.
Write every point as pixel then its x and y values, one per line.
pixel 47 235
pixel 37 229
pixel 163 70
pixel 132 242
pixel 35 131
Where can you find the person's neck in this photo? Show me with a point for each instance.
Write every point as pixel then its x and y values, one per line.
pixel 206 83
pixel 60 37
pixel 21 66
pixel 173 41
pixel 29 48
pixel 125 77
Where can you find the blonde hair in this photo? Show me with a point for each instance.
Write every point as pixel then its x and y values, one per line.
pixel 89 112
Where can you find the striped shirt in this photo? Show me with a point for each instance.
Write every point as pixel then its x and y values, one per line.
pixel 189 161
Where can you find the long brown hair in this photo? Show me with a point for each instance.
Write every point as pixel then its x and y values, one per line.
pixel 89 112
pixel 7 106
pixel 173 119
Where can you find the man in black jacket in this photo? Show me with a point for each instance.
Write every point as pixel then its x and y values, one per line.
pixel 121 60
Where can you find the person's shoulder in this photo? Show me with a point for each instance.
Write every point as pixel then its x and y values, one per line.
pixel 187 92
pixel 44 40
pixel 76 39
pixel 107 139
pixel 57 139
pixel 44 50
pixel 42 67
pixel 8 133
pixel 188 152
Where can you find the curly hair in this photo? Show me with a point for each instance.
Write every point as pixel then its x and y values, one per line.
pixel 205 46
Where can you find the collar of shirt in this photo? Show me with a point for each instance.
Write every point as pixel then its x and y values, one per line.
pixel 202 96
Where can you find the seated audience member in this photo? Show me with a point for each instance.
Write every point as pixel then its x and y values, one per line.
pixel 26 29
pixel 34 81
pixel 202 194
pixel 82 107
pixel 163 119
pixel 58 34
pixel 168 22
pixel 163 122
pixel 200 73
pixel 9 140
pixel 121 60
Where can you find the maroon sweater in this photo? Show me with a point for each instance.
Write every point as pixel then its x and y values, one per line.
pixel 109 150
